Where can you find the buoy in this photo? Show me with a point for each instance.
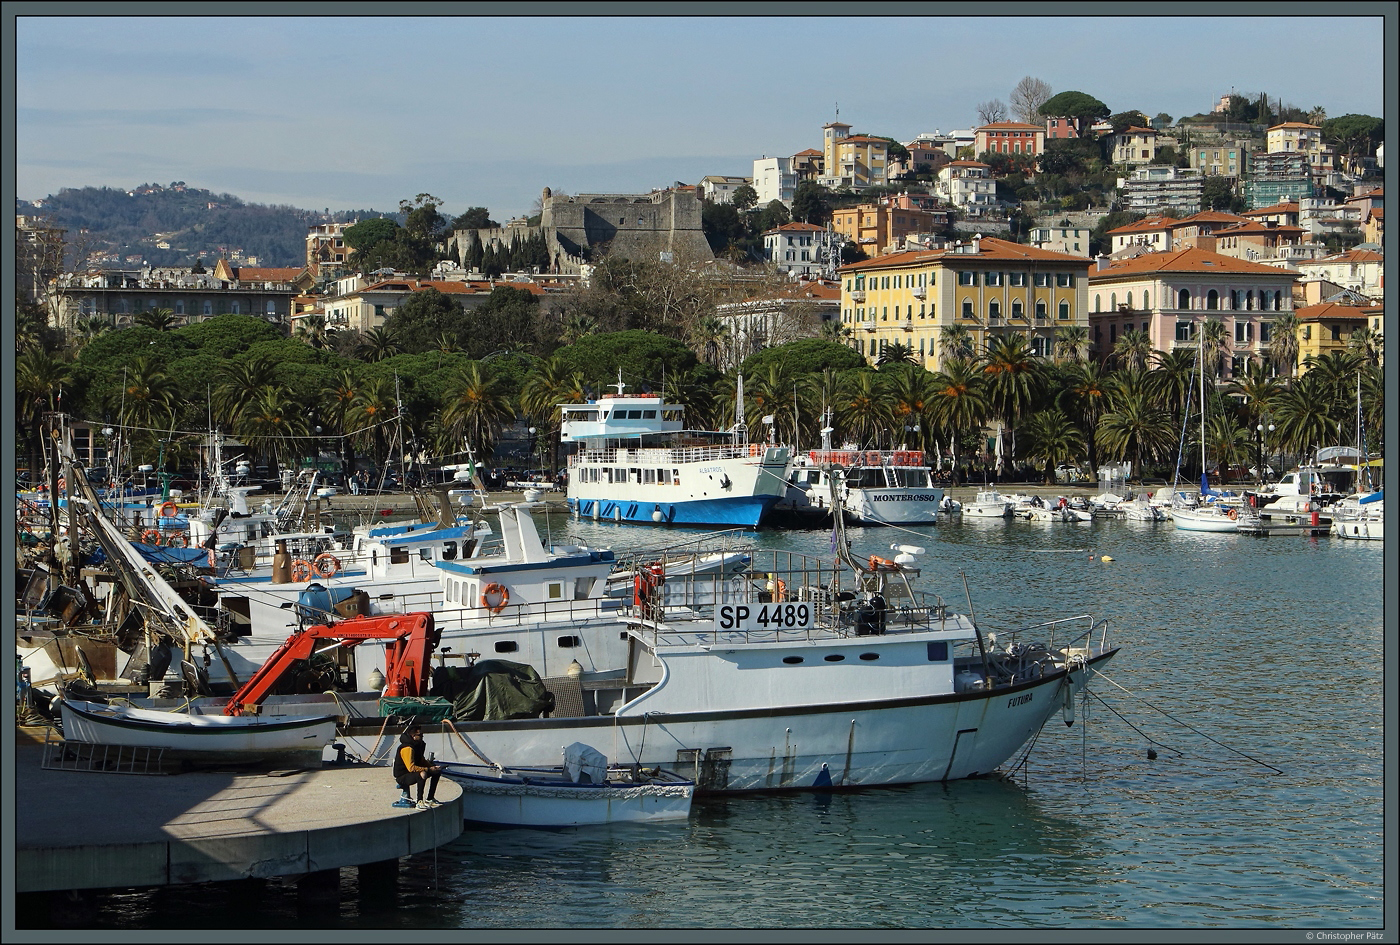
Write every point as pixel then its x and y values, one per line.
pixel 1105 558
pixel 1151 754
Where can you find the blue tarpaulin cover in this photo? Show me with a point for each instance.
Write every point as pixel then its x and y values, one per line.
pixel 158 554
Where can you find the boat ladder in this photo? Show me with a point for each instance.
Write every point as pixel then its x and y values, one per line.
pixel 60 755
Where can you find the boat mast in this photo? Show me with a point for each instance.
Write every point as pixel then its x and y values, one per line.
pixel 1201 360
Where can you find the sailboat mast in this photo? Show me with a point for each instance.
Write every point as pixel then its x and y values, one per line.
pixel 1201 362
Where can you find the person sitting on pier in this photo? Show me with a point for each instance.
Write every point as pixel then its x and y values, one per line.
pixel 410 768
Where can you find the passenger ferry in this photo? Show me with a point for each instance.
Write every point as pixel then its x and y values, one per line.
pixel 636 463
pixel 878 487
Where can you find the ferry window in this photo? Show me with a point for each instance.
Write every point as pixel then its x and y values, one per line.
pixel 661 476
pixel 938 652
pixel 449 551
pixel 570 642
pixel 833 658
pixel 398 555
pixel 648 414
pixel 868 657
pixel 583 588
pixel 794 660
pixel 556 590
pixel 506 646
pixel 649 477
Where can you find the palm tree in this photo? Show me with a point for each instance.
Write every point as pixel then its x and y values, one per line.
pixel 576 327
pixel 1227 441
pixel 371 408
pixel 1174 375
pixel 1134 349
pixel 955 341
pixel 336 400
pixel 1135 429
pixel 897 353
pixel 1013 376
pixel 1257 388
pixel 1301 415
pixel 545 390
pixel 90 328
pixel 911 408
pixel 477 408
pixel 960 402
pixel 1283 343
pixel 1367 343
pixel 707 337
pixel 1072 343
pixel 833 330
pixel 1054 441
pixel 774 393
pixel 312 330
pixel 377 344
pixel 1086 395
pixel 1215 341
pixel 861 408
pixel 238 383
pixel 271 422
pixel 161 319
pixel 146 401
pixel 39 379
pixel 1332 377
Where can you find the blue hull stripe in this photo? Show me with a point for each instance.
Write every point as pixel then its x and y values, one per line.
pixel 739 512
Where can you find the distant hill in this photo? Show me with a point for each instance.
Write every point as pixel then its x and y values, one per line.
pixel 126 228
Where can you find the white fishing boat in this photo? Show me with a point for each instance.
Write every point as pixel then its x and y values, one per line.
pixel 799 675
pixel 878 487
pixel 99 723
pixel 636 463
pixel 584 790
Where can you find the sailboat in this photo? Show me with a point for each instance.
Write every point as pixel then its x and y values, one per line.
pixel 1205 514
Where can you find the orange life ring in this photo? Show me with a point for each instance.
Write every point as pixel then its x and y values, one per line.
pixel 169 510
pixel 779 590
pixel 1232 513
pixel 177 540
pixel 877 564
pixel 326 565
pixel 301 570
pixel 62 484
pixel 494 589
pixel 151 536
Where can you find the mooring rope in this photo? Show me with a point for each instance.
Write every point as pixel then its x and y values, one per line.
pixel 1186 725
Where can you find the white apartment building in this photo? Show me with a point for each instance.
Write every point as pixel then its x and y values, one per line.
pixel 773 179
pixel 968 185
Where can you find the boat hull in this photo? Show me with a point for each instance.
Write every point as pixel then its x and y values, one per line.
pixel 725 512
pixel 541 797
pixel 791 747
pixel 894 506
pixel 98 724
pixel 1188 520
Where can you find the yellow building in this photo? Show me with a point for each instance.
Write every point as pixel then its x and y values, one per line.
pixel 852 160
pixel 1327 328
pixel 988 286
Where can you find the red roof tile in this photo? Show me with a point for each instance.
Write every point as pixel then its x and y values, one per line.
pixel 1183 260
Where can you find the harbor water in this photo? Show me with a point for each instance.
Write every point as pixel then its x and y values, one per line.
pixel 1252 667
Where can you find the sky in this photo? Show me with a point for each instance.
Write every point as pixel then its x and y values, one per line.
pixel 362 112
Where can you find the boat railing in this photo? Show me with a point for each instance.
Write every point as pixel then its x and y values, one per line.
pixel 451 616
pixel 1068 635
pixel 665 456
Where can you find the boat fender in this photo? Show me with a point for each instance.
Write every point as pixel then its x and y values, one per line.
pixel 326 565
pixel 169 510
pixel 494 590
pixel 1067 709
pixel 62 484
pixel 301 570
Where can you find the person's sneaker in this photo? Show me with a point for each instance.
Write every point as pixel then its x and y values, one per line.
pixel 403 802
pixel 431 802
pixel 425 805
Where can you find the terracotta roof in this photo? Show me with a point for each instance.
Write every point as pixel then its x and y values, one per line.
pixel 1295 124
pixel 1333 310
pixel 812 151
pixel 991 250
pixel 1184 260
pixel 966 164
pixel 1134 129
pixel 1210 216
pixel 1290 207
pixel 1254 226
pixel 1012 125
pixel 797 228
pixel 1357 255
pixel 1150 223
pixel 861 139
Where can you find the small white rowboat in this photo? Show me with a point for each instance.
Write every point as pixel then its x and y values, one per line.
pixel 101 724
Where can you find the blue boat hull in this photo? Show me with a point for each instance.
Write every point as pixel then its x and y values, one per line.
pixel 735 512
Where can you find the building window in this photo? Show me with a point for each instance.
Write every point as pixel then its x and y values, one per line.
pixel 1042 280
pixel 994 310
pixel 1040 309
pixel 1212 300
pixel 1264 332
pixel 179 306
pixel 1183 298
pixel 1064 311
pixel 967 308
pixel 1017 310
pixel 967 278
pixel 1183 331
pixel 1336 332
pixel 1097 299
pixel 1064 279
pixel 208 308
pixel 994 278
pixel 1018 278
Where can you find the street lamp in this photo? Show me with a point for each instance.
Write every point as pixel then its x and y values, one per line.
pixel 1259 430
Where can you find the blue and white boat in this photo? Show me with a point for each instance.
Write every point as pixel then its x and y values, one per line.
pixel 637 463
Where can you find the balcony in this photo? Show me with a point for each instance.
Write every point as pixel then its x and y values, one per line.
pixel 870 325
pixel 921 292
pixel 908 324
pixel 857 295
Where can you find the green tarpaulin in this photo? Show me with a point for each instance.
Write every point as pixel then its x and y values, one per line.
pixel 492 690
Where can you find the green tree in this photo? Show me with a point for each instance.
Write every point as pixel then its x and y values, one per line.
pixel 271 423
pixel 811 203
pixel 960 404
pixel 1053 440
pixel 744 197
pixel 1283 343
pixel 1135 429
pixel 1355 134
pixel 476 218
pixel 39 381
pixel 378 344
pixel 1072 343
pixel 862 410
pixel 1073 104
pixel 1218 193
pixel 161 319
pixel 477 408
pixel 423 317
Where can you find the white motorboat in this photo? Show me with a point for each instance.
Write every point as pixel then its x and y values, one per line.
pixel 99 723
pixel 1360 517
pixel 584 790
pixel 636 463
pixel 988 504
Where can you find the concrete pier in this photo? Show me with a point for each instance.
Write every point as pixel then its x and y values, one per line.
pixel 94 830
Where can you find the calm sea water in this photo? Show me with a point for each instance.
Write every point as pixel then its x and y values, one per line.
pixel 1254 666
